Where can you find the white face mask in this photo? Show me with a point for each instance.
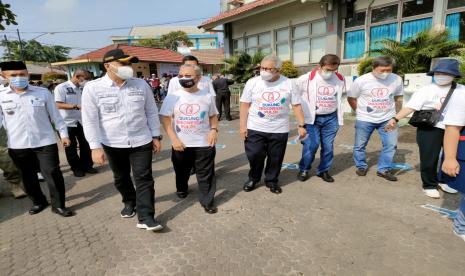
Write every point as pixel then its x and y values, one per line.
pixel 123 72
pixel 266 76
pixel 382 76
pixel 443 79
pixel 326 75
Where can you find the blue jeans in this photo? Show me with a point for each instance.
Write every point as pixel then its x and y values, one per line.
pixel 459 221
pixel 323 131
pixel 363 131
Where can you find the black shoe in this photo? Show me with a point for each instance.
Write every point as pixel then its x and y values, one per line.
pixel 150 225
pixel 210 209
pixel 92 170
pixel 64 212
pixel 37 208
pixel 388 175
pixel 128 211
pixel 361 172
pixel 229 119
pixel 219 118
pixel 326 177
pixel 249 185
pixel 79 173
pixel 182 194
pixel 274 188
pixel 303 176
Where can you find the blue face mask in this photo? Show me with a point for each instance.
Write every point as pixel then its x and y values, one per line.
pixel 19 82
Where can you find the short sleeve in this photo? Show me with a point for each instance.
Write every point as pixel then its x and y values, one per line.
pixel 355 89
pixel 295 93
pixel 455 114
pixel 400 87
pixel 213 111
pixel 167 108
pixel 417 100
pixel 246 96
pixel 60 94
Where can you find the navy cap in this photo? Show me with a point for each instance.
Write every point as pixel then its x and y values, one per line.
pixel 448 66
pixel 13 65
pixel 118 55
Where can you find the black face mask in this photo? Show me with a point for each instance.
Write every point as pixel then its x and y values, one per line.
pixel 187 82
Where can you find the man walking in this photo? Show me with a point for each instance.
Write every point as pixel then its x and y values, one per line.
pixel 223 96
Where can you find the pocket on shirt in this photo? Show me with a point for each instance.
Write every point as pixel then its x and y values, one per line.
pixel 9 108
pixel 136 102
pixel 108 105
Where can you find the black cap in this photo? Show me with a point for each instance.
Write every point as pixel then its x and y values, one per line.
pixel 13 65
pixel 118 55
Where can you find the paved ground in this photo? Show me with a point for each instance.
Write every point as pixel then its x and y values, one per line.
pixel 356 226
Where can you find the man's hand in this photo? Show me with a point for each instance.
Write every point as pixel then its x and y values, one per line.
pixel 390 126
pixel 243 133
pixel 451 167
pixel 66 142
pixel 302 132
pixel 156 145
pixel 212 137
pixel 98 156
pixel 178 145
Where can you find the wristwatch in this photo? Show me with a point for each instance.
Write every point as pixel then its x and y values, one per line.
pixel 214 128
pixel 159 138
pixel 395 119
pixel 301 126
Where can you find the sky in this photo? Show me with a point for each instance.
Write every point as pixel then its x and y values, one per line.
pixel 47 16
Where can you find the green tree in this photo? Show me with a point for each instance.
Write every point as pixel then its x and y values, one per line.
pixel 153 43
pixel 242 66
pixel 415 54
pixel 6 15
pixel 173 39
pixel 34 51
pixel 289 70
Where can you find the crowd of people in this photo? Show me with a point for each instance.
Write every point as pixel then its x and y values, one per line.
pixel 116 118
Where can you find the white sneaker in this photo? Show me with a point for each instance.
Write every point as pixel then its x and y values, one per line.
pixel 462 236
pixel 447 189
pixel 433 193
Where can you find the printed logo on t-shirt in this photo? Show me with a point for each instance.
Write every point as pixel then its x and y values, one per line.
pixel 380 100
pixel 272 103
pixel 326 99
pixel 190 119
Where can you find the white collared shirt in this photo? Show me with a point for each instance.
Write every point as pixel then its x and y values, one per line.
pixel 28 116
pixel 120 117
pixel 69 93
pixel 204 83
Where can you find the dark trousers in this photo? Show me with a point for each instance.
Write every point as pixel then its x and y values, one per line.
pixel 261 145
pixel 83 161
pixel 139 160
pixel 204 160
pixel 224 99
pixel 429 142
pixel 25 160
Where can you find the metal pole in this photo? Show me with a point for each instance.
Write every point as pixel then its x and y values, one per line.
pixel 20 45
pixel 7 44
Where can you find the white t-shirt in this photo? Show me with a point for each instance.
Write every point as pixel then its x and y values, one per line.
pixel 204 83
pixel 455 113
pixel 270 104
pixel 191 114
pixel 375 97
pixel 326 95
pixel 429 97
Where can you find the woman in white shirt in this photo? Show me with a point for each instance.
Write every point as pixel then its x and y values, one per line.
pixel 189 117
pixel 430 139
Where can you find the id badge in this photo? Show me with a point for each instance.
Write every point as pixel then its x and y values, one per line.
pixel 109 108
pixel 37 102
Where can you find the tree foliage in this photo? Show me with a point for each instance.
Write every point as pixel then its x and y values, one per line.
pixel 289 70
pixel 242 66
pixel 34 51
pixel 415 54
pixel 6 15
pixel 173 39
pixel 153 43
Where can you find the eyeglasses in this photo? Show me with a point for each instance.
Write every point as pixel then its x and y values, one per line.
pixel 268 69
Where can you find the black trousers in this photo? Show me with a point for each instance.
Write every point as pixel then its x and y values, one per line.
pixel 224 99
pixel 25 160
pixel 139 160
pixel 261 145
pixel 204 160
pixel 83 161
pixel 429 142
